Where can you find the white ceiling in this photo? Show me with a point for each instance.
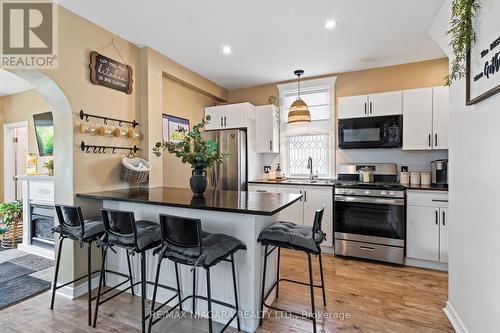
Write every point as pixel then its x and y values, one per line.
pixel 12 84
pixel 270 39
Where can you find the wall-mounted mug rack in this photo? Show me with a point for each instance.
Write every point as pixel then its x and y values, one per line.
pixel 97 149
pixel 86 116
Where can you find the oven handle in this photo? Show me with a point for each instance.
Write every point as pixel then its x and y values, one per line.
pixel 395 202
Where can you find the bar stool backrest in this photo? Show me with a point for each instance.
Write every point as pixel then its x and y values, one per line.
pixel 70 216
pixel 318 218
pixel 181 231
pixel 119 223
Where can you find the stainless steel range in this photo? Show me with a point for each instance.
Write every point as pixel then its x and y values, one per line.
pixel 370 218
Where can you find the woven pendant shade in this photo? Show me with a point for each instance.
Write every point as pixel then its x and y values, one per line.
pixel 299 112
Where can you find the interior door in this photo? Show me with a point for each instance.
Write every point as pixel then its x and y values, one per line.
pixel 353 107
pixel 314 198
pixel 385 104
pixel 443 235
pixel 417 119
pixel 422 233
pixel 21 157
pixel 295 212
pixel 440 117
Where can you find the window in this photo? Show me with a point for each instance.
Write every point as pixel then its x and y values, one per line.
pixel 315 139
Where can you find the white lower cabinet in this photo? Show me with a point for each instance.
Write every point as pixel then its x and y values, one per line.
pixel 303 211
pixel 427 226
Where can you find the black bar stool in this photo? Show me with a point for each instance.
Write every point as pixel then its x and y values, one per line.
pixel 184 242
pixel 296 237
pixel 121 230
pixel 74 227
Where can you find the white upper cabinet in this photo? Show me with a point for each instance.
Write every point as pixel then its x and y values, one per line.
pixel 382 104
pixel 385 104
pixel 230 116
pixel 417 119
pixel 353 107
pixel 267 126
pixel 440 116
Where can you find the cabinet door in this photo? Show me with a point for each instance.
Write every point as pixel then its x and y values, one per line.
pixel 267 129
pixel 422 234
pixel 417 119
pixel 295 212
pixel 216 119
pixel 443 235
pixel 261 188
pixel 440 115
pixel 385 104
pixel 237 115
pixel 314 198
pixel 353 107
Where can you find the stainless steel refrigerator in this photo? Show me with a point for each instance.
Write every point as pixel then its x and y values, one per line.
pixel 231 174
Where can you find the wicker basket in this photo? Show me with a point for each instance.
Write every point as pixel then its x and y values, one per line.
pixel 14 235
pixel 132 173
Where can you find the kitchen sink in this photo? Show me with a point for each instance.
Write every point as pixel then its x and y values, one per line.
pixel 307 181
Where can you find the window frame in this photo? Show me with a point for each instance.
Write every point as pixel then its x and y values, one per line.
pixel 313 84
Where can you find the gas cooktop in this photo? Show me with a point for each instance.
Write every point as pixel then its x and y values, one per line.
pixel 375 185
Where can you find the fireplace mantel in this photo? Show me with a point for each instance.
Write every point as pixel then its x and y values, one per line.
pixel 37 190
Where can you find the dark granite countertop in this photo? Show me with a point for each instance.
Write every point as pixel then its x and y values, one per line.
pixel 253 203
pixel 303 182
pixel 441 188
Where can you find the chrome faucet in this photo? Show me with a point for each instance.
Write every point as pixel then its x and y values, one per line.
pixel 310 167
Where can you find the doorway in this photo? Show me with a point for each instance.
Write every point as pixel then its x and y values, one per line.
pixel 15 156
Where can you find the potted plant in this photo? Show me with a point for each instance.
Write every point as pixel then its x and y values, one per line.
pixel 49 165
pixel 194 150
pixel 10 214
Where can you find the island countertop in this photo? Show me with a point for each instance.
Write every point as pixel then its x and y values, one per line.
pixel 253 203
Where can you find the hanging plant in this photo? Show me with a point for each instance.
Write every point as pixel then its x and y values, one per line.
pixel 462 35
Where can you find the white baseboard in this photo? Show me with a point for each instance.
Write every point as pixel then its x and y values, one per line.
pixel 75 292
pixel 426 264
pixel 39 251
pixel 454 319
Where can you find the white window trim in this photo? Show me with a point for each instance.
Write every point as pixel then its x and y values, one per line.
pixel 329 83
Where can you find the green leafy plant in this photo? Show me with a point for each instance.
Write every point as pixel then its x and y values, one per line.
pixel 462 36
pixel 49 165
pixel 192 148
pixel 9 211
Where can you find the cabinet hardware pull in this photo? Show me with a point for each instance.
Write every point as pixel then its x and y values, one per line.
pixel 444 218
pixel 439 200
pixel 437 217
pixel 371 108
pixel 430 138
pixel 225 123
pixel 435 140
pixel 221 122
pixel 271 145
pixel 300 193
pixel 367 248
pixel 261 191
pixel 365 109
pixel 305 196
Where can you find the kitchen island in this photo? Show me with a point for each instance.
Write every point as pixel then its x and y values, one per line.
pixel 239 214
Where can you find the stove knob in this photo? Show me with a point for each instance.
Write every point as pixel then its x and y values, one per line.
pixel 383 192
pixel 391 193
pixel 351 191
pixel 367 192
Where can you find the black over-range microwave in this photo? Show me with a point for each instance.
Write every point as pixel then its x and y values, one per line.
pixel 371 132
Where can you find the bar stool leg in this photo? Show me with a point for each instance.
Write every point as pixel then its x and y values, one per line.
pixel 160 258
pixel 178 286
pixel 143 291
pixel 322 279
pixel 56 273
pixel 194 291
pixel 89 283
pixel 236 304
pixel 209 301
pixel 311 286
pixel 278 273
pixel 104 277
pixel 261 314
pixel 130 275
pixel 101 277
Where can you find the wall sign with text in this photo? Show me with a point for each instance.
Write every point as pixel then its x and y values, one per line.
pixel 483 61
pixel 110 73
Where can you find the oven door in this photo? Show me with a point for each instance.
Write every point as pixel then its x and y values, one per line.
pixel 370 132
pixel 370 219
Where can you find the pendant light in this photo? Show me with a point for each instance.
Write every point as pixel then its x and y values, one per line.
pixel 299 112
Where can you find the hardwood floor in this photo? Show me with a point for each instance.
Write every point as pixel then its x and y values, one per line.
pixel 371 297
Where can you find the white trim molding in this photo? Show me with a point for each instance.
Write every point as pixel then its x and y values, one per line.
pixel 454 319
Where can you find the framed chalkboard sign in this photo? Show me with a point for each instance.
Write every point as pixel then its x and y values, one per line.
pixel 483 60
pixel 110 73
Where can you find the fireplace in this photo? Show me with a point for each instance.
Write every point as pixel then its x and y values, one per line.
pixel 42 222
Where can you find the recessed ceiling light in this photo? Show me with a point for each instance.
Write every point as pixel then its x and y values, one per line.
pixel 330 24
pixel 226 49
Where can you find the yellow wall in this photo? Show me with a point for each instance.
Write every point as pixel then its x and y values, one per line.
pixel 182 101
pixel 408 76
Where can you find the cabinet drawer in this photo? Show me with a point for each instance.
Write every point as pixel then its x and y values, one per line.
pixel 369 251
pixel 427 198
pixel 261 188
pixel 41 191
